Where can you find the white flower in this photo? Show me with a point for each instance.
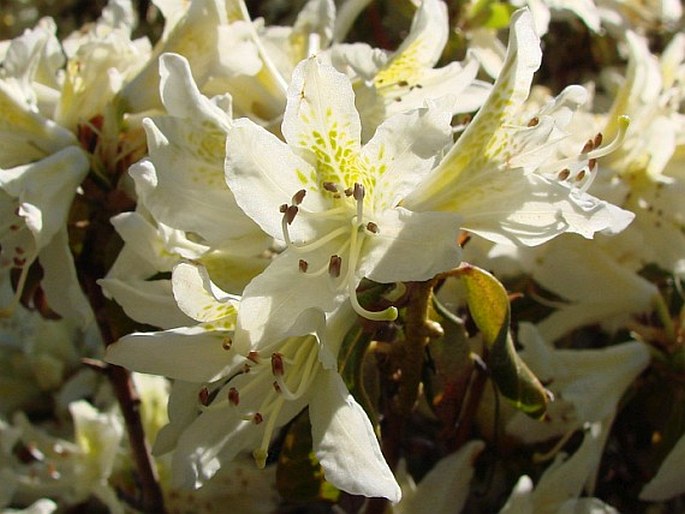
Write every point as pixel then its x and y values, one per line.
pixel 233 397
pixel 668 481
pixel 588 384
pixel 67 471
pixel 559 488
pixel 600 289
pixel 504 175
pixel 445 488
pixel 335 203
pixel 391 83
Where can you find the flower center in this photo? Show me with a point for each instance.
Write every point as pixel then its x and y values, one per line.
pixel 346 241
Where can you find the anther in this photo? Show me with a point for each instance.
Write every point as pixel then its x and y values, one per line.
pixel 283 208
pixel 290 214
pixel 580 176
pixel 598 139
pixel 533 121
pixel 227 343
pixel 358 192
pixel 592 164
pixel 334 266
pixel 257 418
pixel 299 196
pixel 303 265
pixel 276 387
pixel 203 396
pixel 233 396
pixel 330 187
pixel 372 227
pixel 349 191
pixel 277 367
pixel 564 174
pixel 253 356
pixel 589 146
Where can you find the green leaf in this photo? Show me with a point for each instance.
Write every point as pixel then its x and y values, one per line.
pixel 489 306
pixel 299 477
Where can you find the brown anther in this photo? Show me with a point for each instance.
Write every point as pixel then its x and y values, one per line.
pixel 18 262
pixel 358 192
pixel 299 196
pixel 349 191
pixel 14 227
pixel 598 140
pixel 589 146
pixel 418 86
pixel 277 367
pixel 233 396
pixel 290 214
pixel 402 83
pixel 203 396
pixel 277 388
pixel 257 418
pixel 564 174
pixel 253 356
pixel 592 164
pixel 334 266
pixel 227 343
pixel 303 265
pixel 330 187
pixel 372 227
pixel 580 176
pixel 283 208
pixel 533 121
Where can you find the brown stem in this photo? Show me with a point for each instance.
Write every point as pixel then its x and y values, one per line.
pixel 91 266
pixel 406 367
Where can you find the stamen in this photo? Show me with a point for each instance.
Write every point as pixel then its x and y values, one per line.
pixel 358 191
pixel 598 139
pixel 592 164
pixel 290 214
pixel 257 419
pixel 330 187
pixel 372 227
pixel 299 196
pixel 227 343
pixel 580 176
pixel 533 121
pixel 334 266
pixel 564 174
pixel 282 208
pixel 277 367
pixel 359 194
pixel 253 356
pixel 349 192
pixel 233 396
pixel 589 146
pixel 389 314
pixel 303 265
pixel 203 396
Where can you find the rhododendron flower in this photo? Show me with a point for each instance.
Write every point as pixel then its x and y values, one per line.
pixel 334 203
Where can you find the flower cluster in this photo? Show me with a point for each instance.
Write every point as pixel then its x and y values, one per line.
pixel 291 233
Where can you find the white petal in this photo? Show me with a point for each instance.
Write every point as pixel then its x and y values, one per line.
pixel 150 302
pixel 321 122
pixel 282 301
pixel 192 354
pixel 668 481
pixel 445 488
pixel 345 443
pixel 264 174
pixel 198 298
pixel 412 246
